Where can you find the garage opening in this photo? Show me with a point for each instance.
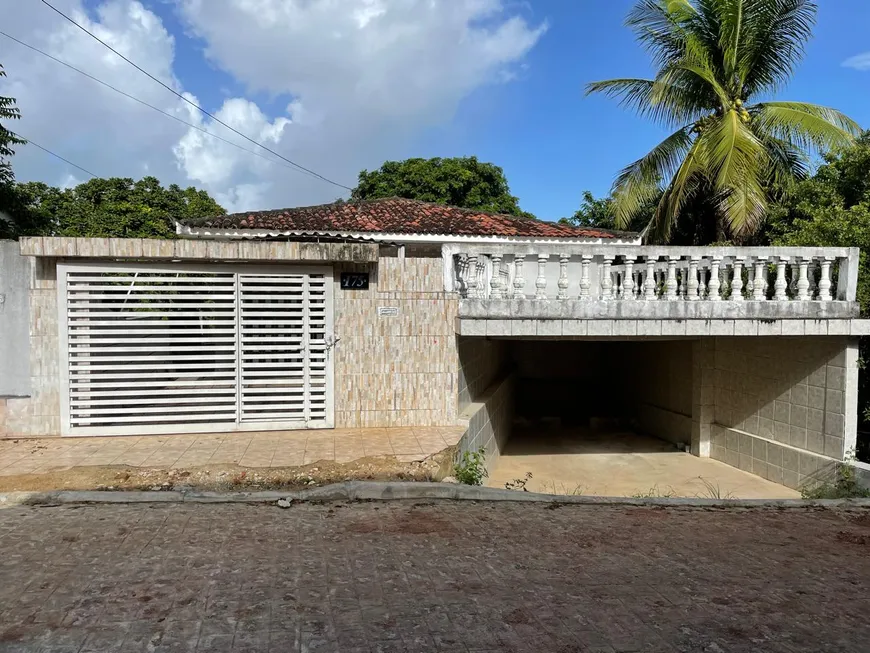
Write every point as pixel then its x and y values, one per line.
pixel 606 418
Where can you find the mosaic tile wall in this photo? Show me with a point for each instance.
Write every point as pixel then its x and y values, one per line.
pixel 402 369
pixel 397 370
pixel 39 414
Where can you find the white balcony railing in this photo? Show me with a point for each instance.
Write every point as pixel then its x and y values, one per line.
pixel 605 273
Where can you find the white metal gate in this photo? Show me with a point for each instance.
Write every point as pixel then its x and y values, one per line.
pixel 182 348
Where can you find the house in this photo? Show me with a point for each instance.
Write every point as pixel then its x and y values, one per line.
pixel 395 312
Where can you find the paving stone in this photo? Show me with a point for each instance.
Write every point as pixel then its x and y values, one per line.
pixel 437 577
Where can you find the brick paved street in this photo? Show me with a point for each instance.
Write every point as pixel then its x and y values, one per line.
pixel 432 577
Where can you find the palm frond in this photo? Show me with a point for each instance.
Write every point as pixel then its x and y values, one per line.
pixel 736 162
pixel 639 183
pixel 657 29
pixel 732 20
pixel 673 107
pixel 777 33
pixel 681 188
pixel 695 73
pixel 788 164
pixel 808 126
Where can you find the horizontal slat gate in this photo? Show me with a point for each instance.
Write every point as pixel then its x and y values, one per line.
pixel 184 349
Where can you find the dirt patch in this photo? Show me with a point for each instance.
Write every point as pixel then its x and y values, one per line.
pixel 853 538
pixel 412 523
pixel 421 523
pixel 863 521
pixel 227 477
pixel 518 616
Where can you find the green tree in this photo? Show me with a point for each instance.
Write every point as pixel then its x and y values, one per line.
pixel 833 209
pixel 599 212
pixel 8 111
pixel 464 182
pixel 115 207
pixel 714 59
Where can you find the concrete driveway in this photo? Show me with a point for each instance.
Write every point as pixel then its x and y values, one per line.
pixel 423 577
pixel 580 461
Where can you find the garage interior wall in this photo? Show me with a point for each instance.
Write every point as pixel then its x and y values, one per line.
pixel 659 375
pixel 650 382
pixel 784 408
pixel 486 397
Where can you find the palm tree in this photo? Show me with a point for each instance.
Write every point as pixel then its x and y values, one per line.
pixel 714 59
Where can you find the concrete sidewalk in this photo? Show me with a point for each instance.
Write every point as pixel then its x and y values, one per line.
pixel 264 450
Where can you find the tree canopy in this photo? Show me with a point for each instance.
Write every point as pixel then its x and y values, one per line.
pixel 715 58
pixel 104 208
pixel 830 209
pixel 462 181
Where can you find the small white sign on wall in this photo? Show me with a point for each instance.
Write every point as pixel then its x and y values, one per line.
pixel 388 311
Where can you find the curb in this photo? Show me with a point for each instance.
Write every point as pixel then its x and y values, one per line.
pixel 399 491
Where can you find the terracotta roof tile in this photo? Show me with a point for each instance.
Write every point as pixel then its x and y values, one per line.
pixel 396 216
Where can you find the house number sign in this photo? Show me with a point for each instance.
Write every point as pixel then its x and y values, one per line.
pixel 354 280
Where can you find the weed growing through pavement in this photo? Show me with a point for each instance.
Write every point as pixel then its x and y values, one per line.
pixel 519 484
pixel 471 470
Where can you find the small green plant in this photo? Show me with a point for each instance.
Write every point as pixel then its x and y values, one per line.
pixel 470 470
pixel 844 486
pixel 519 484
pixel 551 487
pixel 713 491
pixel 655 493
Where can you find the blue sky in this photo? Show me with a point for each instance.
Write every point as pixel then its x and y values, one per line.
pixel 416 80
pixel 553 142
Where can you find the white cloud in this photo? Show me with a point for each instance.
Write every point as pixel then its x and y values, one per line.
pixel 858 62
pixel 359 80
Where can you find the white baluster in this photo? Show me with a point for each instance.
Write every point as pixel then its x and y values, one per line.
pixel 462 275
pixel 671 283
pixel 472 275
pixel 803 284
pixel 715 281
pixel 585 283
pixel 692 285
pixel 814 286
pixel 628 280
pixel 541 281
pixel 519 280
pixel 638 285
pixel 563 276
pixel 649 284
pixel 825 280
pixel 606 279
pixel 780 285
pixel 684 282
pixel 737 280
pixel 495 284
pixel 758 283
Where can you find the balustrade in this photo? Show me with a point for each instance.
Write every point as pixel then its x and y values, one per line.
pixel 638 274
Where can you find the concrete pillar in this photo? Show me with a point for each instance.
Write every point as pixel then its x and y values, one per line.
pixel 703 394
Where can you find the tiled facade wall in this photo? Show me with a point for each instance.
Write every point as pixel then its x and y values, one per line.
pixel 784 408
pixel 389 371
pixel 402 370
pixel 39 414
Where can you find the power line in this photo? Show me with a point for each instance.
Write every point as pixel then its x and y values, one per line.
pixel 142 102
pixel 55 155
pixel 190 102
